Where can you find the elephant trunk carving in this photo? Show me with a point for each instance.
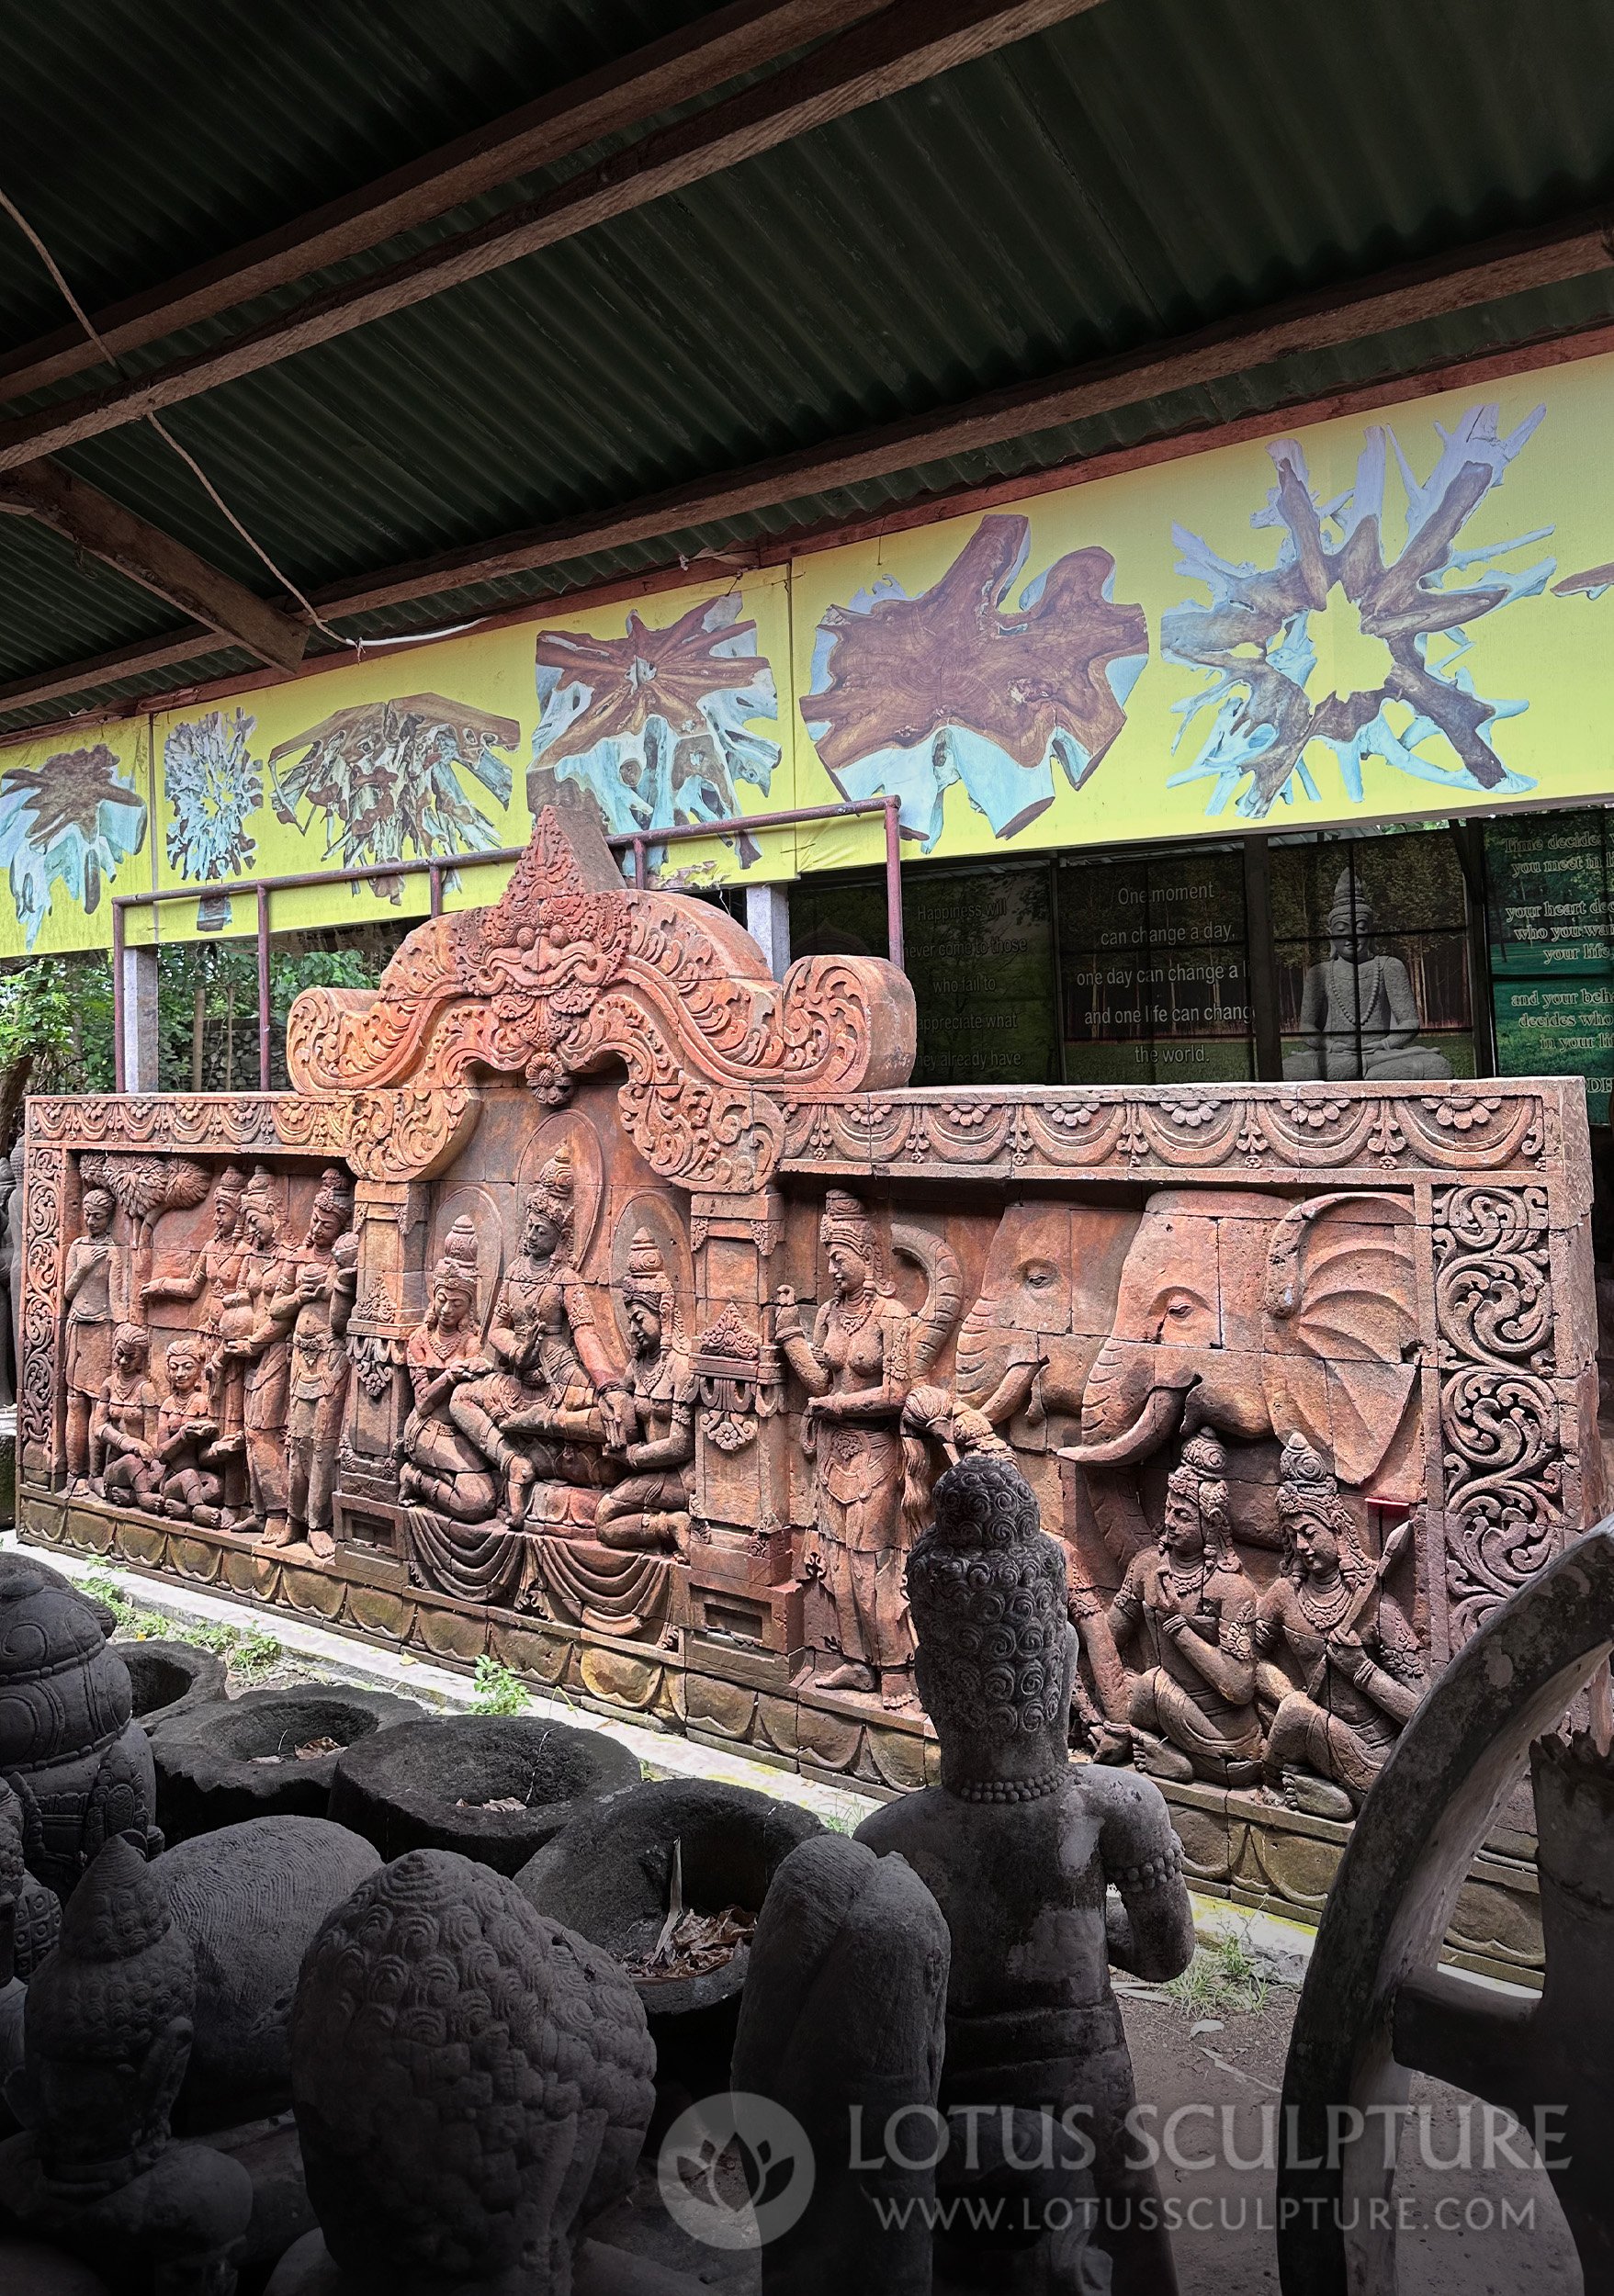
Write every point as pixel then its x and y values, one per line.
pixel 1131 1405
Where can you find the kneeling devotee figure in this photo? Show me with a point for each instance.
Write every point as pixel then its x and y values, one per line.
pixel 1360 1671
pixel 1019 1847
pixel 1190 1607
pixel 651 1508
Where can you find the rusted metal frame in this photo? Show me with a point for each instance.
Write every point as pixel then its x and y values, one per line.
pixel 262 892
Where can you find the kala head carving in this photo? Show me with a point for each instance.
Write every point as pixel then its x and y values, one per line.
pixel 996 1651
pixel 107 2030
pixel 472 2081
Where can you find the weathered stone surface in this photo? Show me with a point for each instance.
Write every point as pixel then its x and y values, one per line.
pixel 221 1764
pixel 170 1678
pixel 610 1876
pixel 427 1786
pixel 491 2092
pixel 250 1899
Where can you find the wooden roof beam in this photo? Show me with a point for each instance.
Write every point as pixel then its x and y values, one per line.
pixel 742 37
pixel 93 522
pixel 906 43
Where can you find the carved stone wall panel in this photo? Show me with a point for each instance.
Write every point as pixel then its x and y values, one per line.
pixel 663 1305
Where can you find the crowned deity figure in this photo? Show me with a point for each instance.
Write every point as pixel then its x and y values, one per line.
pixel 650 1508
pixel 95 1286
pixel 856 1370
pixel 1361 1669
pixel 255 1332
pixel 439 1467
pixel 1357 1014
pixel 214 1272
pixel 1021 1847
pixel 547 1399
pixel 317 1304
pixel 1187 1609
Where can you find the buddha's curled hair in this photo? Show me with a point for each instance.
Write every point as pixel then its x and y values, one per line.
pixel 989 1598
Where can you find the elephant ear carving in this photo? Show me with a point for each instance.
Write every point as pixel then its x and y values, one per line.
pixel 1340 1326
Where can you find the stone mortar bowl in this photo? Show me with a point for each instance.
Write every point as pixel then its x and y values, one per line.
pixel 236 1759
pixel 608 1877
pixel 405 1791
pixel 170 1678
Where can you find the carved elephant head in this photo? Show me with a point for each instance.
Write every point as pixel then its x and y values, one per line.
pixel 1026 1346
pixel 1257 1318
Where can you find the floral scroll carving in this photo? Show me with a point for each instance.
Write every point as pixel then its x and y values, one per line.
pixel 1499 1416
pixel 572 968
pixel 43 1223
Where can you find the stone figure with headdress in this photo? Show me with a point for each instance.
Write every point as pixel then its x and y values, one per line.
pixel 1361 1669
pixel 650 1508
pixel 547 1401
pixel 1359 1015
pixel 95 1287
pixel 256 1352
pixel 317 1304
pixel 214 1272
pixel 439 1467
pixel 1020 1848
pixel 857 1367
pixel 123 1424
pixel 1188 1607
pixel 189 1483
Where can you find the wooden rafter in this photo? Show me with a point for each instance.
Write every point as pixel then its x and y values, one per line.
pixel 906 43
pixel 742 37
pixel 91 521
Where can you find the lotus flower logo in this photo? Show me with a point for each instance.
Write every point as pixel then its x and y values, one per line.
pixel 736 2170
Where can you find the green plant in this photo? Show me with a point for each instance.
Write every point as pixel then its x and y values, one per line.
pixel 1221 1977
pixel 497 1688
pixel 256 1653
pixel 55 1031
pixel 250 1654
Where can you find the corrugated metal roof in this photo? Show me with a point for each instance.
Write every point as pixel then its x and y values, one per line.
pixel 1147 167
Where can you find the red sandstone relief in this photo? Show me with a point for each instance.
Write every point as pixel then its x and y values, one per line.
pixel 602 1302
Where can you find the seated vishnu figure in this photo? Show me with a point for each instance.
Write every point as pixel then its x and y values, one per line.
pixel 1353 1000
pixel 1019 1847
pixel 123 1424
pixel 1361 1669
pixel 1188 1607
pixel 189 1484
pixel 546 1398
pixel 440 1468
pixel 651 1508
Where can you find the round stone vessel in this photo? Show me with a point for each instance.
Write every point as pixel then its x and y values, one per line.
pixel 429 1787
pixel 238 1757
pixel 609 1876
pixel 170 1678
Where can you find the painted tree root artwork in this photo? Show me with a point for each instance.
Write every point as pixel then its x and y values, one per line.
pixel 600 1303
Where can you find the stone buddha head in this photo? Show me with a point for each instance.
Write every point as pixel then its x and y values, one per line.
pixel 1350 919
pixel 1197 1520
pixel 549 1211
pixel 996 1662
pixel 331 1211
pixel 454 1280
pixel 1319 1534
pixel 648 1300
pixel 473 2082
pixel 227 1198
pixel 107 2030
pixel 852 1245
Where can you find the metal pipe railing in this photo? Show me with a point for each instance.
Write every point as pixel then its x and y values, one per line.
pixel 638 843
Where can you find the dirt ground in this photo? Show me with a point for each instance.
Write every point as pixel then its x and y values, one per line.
pixel 1458 2243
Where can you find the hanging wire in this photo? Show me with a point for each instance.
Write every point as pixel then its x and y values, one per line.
pixel 163 433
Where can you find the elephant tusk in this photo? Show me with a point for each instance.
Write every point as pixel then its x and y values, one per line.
pixel 1157 1420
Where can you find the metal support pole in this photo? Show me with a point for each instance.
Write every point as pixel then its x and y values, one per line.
pixel 894 884
pixel 767 921
pixel 434 878
pixel 640 863
pixel 136 1019
pixel 118 1082
pixel 263 894
pixel 1261 963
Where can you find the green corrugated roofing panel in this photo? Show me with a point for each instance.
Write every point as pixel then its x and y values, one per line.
pixel 1145 168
